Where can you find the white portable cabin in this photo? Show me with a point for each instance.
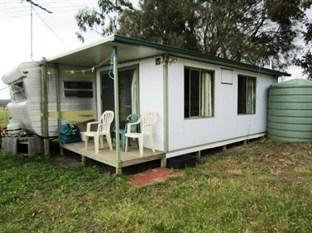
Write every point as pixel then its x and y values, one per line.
pixel 202 101
pixel 25 82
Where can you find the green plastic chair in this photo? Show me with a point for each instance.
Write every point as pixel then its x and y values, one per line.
pixel 130 119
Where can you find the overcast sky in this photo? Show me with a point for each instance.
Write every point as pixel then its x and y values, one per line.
pixel 52 33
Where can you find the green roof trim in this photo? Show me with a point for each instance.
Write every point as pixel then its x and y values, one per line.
pixel 197 55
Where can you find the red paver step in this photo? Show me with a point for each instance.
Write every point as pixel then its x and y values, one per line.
pixel 152 176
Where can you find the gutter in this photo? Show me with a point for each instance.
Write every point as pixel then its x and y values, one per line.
pixel 192 54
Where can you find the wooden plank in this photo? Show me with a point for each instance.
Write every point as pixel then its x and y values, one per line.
pixel 44 109
pixel 138 160
pixel 118 170
pixel 83 160
pixel 163 162
pixel 198 155
pixel 108 157
pixel 58 105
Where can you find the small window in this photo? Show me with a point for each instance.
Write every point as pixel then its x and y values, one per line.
pixel 77 85
pixel 226 76
pixel 246 95
pixel 198 93
pixel 17 90
pixel 78 89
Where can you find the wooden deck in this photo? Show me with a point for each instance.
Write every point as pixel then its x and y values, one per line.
pixel 108 157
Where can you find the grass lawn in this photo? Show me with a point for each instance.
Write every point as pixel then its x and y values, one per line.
pixel 261 187
pixel 3 118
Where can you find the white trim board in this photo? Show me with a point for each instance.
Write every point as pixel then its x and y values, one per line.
pixel 212 145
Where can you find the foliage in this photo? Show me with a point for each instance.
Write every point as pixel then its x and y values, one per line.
pixel 254 31
pixel 167 22
pixel 261 187
pixel 306 63
pixel 103 20
pixel 306 60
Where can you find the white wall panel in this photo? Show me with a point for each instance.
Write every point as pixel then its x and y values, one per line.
pixel 226 123
pixel 151 96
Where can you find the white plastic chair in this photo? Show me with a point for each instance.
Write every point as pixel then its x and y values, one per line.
pixel 103 129
pixel 147 122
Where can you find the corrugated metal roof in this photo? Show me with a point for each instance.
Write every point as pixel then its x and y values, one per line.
pixel 133 48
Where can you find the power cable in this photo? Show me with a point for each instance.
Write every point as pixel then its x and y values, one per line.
pixel 32 4
pixel 39 6
pixel 51 29
pixel 4 88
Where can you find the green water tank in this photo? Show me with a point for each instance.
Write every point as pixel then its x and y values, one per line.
pixel 290 111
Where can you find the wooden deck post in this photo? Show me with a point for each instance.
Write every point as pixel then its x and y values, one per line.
pixel 83 160
pixel 165 109
pixel 58 105
pixel 118 170
pixel 163 161
pixel 165 101
pixel 198 155
pixel 44 108
pixel 116 98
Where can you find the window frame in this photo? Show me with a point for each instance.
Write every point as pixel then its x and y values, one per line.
pixel 201 70
pixel 78 89
pixel 255 98
pixel 15 93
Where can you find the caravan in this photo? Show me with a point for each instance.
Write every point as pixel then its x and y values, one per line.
pixel 77 95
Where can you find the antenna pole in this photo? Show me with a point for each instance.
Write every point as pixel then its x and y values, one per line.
pixel 31 22
pixel 31 32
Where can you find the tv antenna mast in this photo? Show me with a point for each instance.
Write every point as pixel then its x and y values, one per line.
pixel 33 4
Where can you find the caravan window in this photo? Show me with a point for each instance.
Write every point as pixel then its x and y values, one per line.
pixel 78 89
pixel 198 93
pixel 17 90
pixel 246 95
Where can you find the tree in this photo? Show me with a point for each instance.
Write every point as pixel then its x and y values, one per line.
pixel 250 30
pixel 253 31
pixel 168 22
pixel 306 60
pixel 103 20
pixel 156 20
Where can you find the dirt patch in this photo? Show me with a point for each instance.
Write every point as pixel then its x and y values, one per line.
pixel 66 161
pixel 235 172
pixel 293 178
pixel 152 176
